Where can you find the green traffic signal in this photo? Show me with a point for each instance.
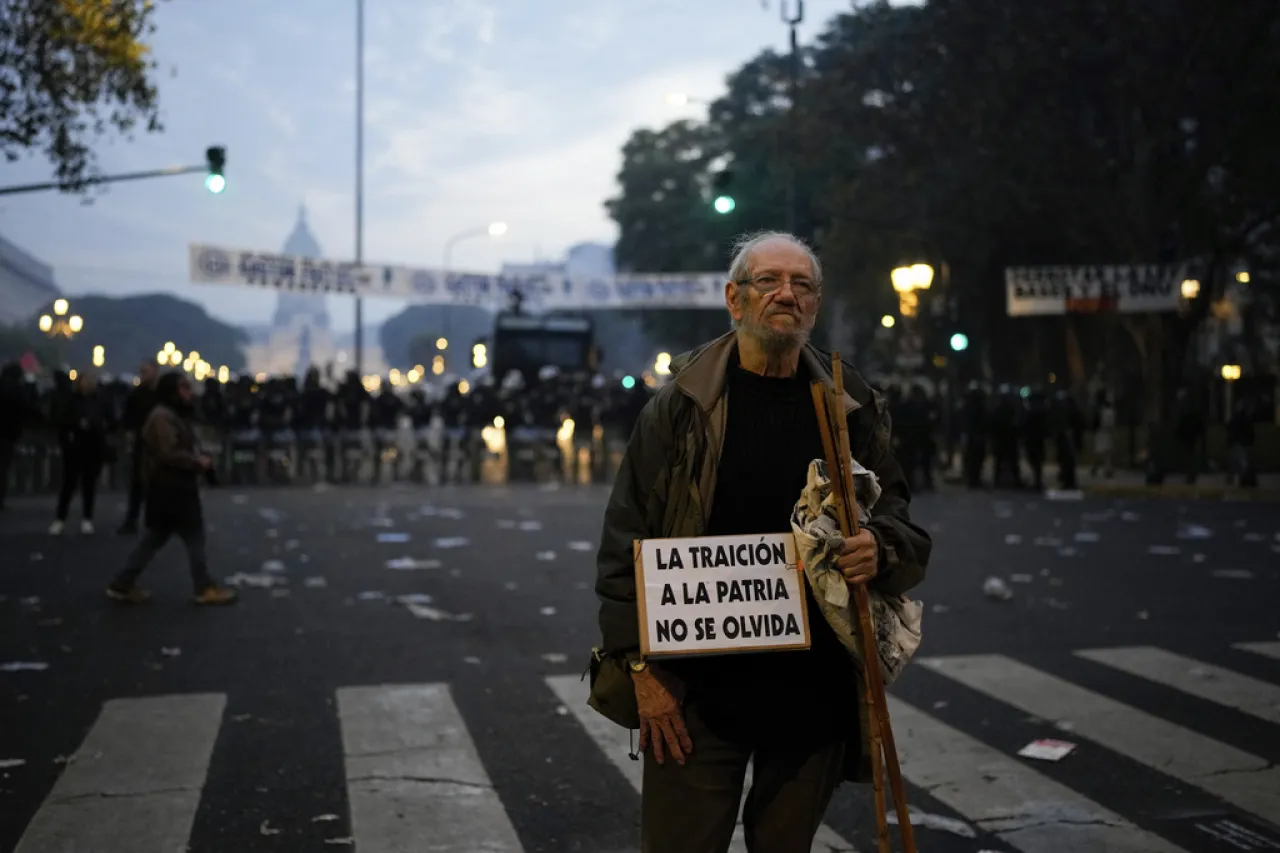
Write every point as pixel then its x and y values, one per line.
pixel 216 157
pixel 959 342
pixel 725 204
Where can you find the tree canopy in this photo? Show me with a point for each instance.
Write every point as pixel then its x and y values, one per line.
pixel 72 71
pixel 976 135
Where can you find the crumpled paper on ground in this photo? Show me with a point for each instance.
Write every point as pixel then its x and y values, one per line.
pixel 816 526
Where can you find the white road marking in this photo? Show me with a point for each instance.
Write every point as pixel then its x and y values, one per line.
pixel 1212 683
pixel 1004 796
pixel 414 778
pixel 1236 776
pixel 136 781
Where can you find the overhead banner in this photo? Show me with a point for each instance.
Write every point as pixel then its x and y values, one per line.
pixel 1140 289
pixel 720 594
pixel 540 292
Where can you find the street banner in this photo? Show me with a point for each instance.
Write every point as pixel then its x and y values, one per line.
pixel 720 594
pixel 1138 289
pixel 222 265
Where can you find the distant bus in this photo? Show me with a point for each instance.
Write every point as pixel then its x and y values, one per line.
pixel 528 343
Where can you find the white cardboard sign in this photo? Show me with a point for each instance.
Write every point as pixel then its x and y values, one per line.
pixel 720 594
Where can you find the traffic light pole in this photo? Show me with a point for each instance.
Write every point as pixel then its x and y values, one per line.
pixel 792 21
pixel 359 179
pixel 104 179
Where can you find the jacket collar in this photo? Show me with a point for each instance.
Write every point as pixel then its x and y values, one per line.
pixel 700 373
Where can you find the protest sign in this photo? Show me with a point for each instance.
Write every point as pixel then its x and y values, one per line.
pixel 720 594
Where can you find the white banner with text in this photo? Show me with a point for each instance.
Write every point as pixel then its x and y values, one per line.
pixel 1033 291
pixel 540 292
pixel 720 594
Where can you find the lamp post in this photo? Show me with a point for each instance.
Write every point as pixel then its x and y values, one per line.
pixel 359 178
pixel 61 324
pixel 493 229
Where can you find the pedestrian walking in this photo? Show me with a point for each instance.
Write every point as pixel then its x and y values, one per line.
pixel 173 466
pixel 137 407
pixel 82 419
pixel 724 449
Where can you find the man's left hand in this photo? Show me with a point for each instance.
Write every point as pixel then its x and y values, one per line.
pixel 859 557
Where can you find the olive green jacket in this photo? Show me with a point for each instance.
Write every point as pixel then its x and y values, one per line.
pixel 666 484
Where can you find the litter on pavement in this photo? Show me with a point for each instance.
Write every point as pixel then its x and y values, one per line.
pixel 1047 749
pixel 548 611
pixel 414 598
pixel 6 763
pixel 995 588
pixel 545 556
pixel 579 545
pixel 555 657
pixel 24 666
pixel 258 581
pixel 506 524
pixel 423 611
pixel 1012 539
pixel 393 538
pixel 323 818
pixel 273 566
pixel 407 564
pixel 315 583
pixel 1064 495
pixel 1233 574
pixel 1195 531
pixel 1087 536
pixel 170 651
pixel 1164 550
pixel 530 526
pixel 935 821
pixel 452 542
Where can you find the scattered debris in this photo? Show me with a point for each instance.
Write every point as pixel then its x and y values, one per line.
pixel 555 657
pixel 414 598
pixel 408 564
pixel 506 524
pixel 1143 615
pixel 509 585
pixel 1254 537
pixel 1198 558
pixel 423 611
pixel 1048 541
pixel 1020 578
pixel 272 533
pixel 170 651
pixel 1233 574
pixel 258 581
pixel 452 542
pixel 36 556
pixel 1064 495
pixel 939 822
pixel 279 593
pixel 24 666
pixel 347 841
pixel 996 589
pixel 315 583
pixel 6 763
pixel 471 659
pixel 530 526
pixel 545 556
pixel 324 818
pixel 291 544
pixel 239 499
pixel 562 710
pixel 266 829
pixel 273 566
pixel 1087 536
pixel 393 538
pixel 1129 516
pixel 381 522
pixel 580 545
pixel 548 611
pixel 1195 531
pixel 453 514
pixel 1012 539
pixel 1047 749
pixel 1068 551
pixel 940 608
pixel 1164 550
pixel 30 601
pixel 376 595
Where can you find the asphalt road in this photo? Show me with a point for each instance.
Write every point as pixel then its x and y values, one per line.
pixel 325 712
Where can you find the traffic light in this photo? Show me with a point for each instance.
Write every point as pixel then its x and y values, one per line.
pixel 216 181
pixel 959 342
pixel 721 182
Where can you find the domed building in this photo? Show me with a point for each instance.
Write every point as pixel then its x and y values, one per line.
pixel 301 334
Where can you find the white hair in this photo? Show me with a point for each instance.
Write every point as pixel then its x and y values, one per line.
pixel 740 264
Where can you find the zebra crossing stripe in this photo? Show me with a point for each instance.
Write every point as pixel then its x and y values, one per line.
pixel 1271 650
pixel 1024 808
pixel 135 782
pixel 614 742
pixel 1234 775
pixel 1205 681
pixel 414 778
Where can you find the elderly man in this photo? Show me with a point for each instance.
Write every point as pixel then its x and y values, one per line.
pixel 722 450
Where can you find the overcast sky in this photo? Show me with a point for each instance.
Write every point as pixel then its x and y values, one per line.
pixel 475 110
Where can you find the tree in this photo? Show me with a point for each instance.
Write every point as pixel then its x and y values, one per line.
pixel 70 72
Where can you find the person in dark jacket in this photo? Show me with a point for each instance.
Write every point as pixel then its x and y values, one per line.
pixel 82 419
pixel 173 466
pixel 724 449
pixel 137 406
pixel 16 411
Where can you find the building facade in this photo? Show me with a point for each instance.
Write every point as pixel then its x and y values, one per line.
pixel 26 285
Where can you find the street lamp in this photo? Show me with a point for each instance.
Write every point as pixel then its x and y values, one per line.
pixel 662 364
pixel 887 321
pixel 1190 288
pixel 99 355
pixel 493 229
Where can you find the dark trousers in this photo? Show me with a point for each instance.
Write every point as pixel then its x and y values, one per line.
pixel 6 463
pixel 81 466
pixel 694 808
pixel 135 484
pixel 152 541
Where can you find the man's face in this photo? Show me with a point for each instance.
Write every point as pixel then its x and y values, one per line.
pixel 778 303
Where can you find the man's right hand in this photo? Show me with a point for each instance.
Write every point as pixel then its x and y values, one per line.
pixel 659 696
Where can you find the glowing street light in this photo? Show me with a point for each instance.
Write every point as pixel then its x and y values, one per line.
pixel 60 307
pixel 497 229
pixel 914 277
pixel 442 343
pixel 887 321
pixel 99 355
pixel 1190 288
pixel 46 322
pixel 437 365
pixel 662 364
pixel 1231 372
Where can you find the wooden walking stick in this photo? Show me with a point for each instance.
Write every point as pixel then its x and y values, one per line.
pixel 828 401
